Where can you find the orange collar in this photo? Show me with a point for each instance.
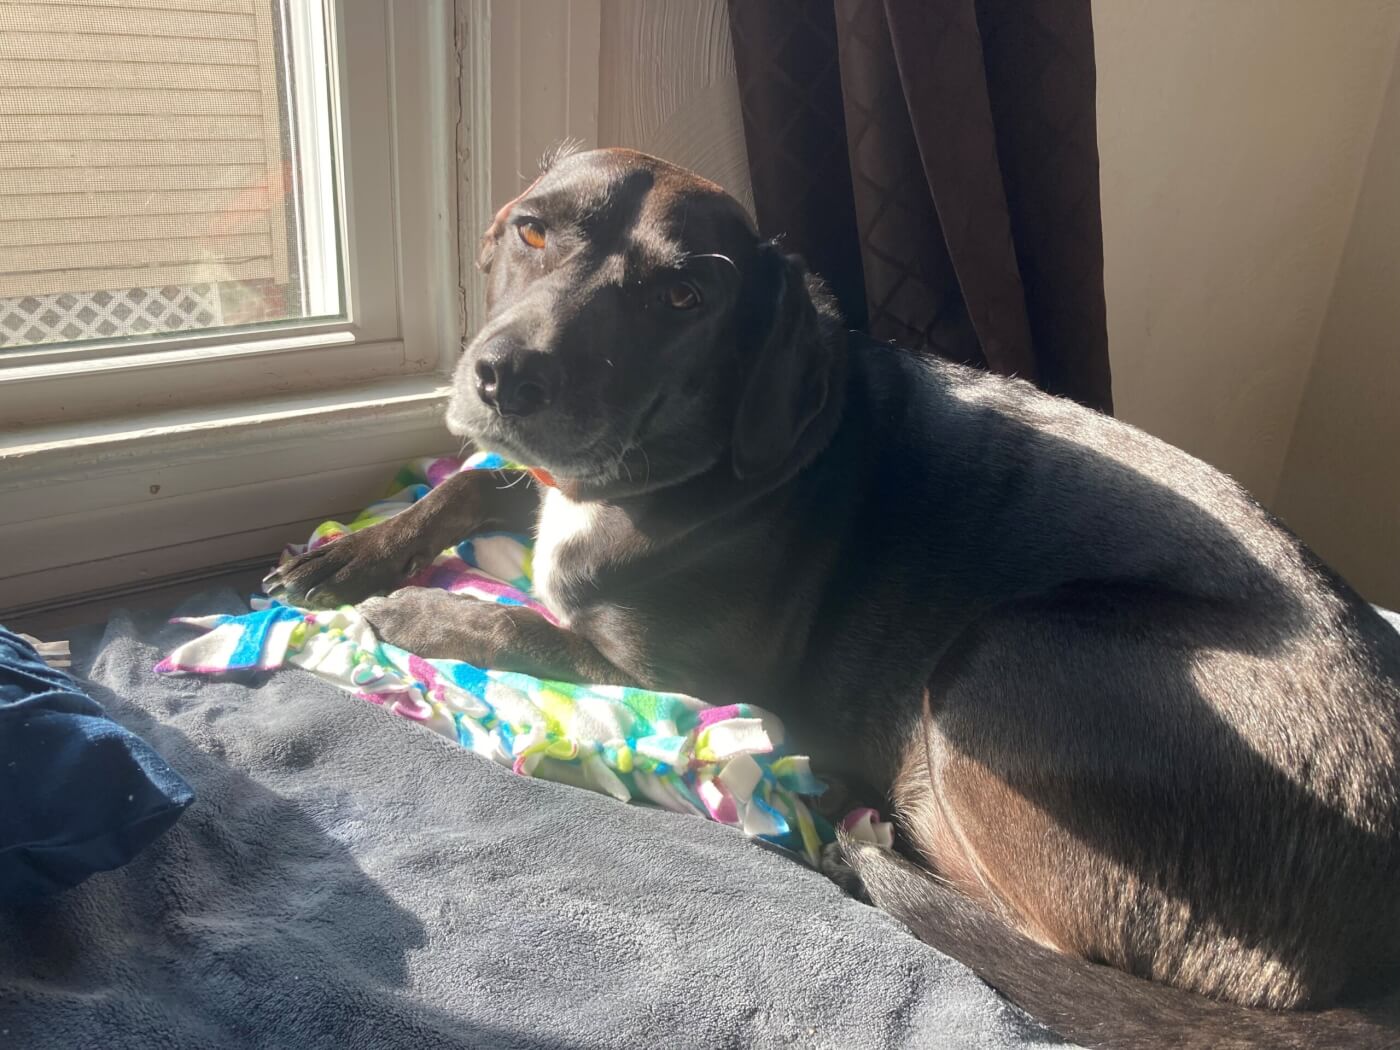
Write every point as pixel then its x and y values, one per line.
pixel 543 477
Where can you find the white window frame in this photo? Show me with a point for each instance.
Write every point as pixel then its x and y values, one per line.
pixel 307 49
pixel 122 466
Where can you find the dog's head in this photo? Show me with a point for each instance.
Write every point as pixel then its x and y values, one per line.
pixel 637 331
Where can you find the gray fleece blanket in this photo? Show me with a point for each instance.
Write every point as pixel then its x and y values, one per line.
pixel 347 879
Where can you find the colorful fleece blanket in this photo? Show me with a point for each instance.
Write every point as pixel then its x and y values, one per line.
pixel 726 763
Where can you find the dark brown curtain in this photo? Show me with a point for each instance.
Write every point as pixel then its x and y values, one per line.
pixel 937 162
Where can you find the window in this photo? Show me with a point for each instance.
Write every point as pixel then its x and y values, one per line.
pixel 167 168
pixel 229 293
pixel 201 190
pixel 288 194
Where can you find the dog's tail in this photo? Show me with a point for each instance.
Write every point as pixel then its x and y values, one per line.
pixel 1095 1006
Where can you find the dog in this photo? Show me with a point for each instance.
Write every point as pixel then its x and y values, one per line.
pixel 1143 747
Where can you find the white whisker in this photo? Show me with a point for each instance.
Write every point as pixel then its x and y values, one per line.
pixel 622 460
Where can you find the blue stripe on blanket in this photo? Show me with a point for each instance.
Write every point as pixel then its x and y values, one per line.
pixel 248 652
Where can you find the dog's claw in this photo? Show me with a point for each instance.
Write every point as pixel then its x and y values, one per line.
pixel 334 574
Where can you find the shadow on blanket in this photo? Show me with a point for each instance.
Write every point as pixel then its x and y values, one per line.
pixel 277 966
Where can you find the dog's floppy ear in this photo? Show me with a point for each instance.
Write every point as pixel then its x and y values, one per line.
pixel 786 382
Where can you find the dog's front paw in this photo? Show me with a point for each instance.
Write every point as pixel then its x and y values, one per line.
pixel 342 572
pixel 438 624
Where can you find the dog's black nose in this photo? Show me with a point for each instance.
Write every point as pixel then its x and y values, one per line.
pixel 516 383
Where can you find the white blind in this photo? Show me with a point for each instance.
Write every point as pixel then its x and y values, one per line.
pixel 140 144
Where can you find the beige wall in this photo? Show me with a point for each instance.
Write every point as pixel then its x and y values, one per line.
pixel 1341 481
pixel 1233 134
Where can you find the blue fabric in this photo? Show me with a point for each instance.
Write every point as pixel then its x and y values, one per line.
pixel 78 793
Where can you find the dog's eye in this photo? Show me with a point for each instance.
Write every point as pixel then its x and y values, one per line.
pixel 681 296
pixel 532 233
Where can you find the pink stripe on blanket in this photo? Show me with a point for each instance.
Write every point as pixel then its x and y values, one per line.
pixel 712 715
pixel 440 469
pixel 718 801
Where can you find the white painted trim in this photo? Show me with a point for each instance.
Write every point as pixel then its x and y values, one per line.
pixel 241 340
pixel 54 618
pixel 583 44
pixel 186 490
pixel 474 207
pixel 362 64
pixel 141 383
pixel 425 177
pixel 528 81
pixel 69 451
pixel 544 84
pixel 306 48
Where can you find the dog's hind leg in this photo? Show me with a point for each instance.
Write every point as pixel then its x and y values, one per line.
pixel 1074 775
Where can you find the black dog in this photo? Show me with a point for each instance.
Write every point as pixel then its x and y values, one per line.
pixel 1124 715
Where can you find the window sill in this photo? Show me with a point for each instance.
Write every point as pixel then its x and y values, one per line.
pixel 34 393
pixel 105 508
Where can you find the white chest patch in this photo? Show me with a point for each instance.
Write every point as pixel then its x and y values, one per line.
pixel 561 522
